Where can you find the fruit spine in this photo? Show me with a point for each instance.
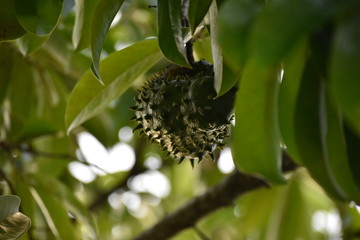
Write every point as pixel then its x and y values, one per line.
pixel 178 110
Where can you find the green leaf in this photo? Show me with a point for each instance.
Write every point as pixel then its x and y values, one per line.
pixel 10 28
pixel 353 151
pixel 225 77
pixel 290 20
pixel 289 88
pixel 202 47
pixel 63 194
pixel 55 215
pixel 38 16
pixel 14 226
pixel 33 128
pixel 9 205
pixel 235 21
pixel 257 208
pixel 30 42
pixel 229 79
pixel 23 191
pixel 334 144
pixel 308 131
pixel 119 70
pixel 104 15
pixel 215 48
pixel 325 132
pixel 171 39
pixel 21 87
pixel 6 63
pixel 197 11
pixel 344 66
pixel 256 138
pixel 84 12
pixel 350 217
pixel 290 210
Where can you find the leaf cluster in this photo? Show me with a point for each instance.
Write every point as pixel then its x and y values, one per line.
pixel 68 67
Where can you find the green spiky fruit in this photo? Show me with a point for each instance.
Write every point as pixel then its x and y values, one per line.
pixel 178 109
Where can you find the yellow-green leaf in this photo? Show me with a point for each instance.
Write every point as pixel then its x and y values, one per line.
pixel 171 39
pixel 256 137
pixel 37 16
pixel 81 35
pixel 118 70
pixel 10 27
pixel 344 67
pixel 104 15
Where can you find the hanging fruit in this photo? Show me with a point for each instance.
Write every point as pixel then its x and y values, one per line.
pixel 178 110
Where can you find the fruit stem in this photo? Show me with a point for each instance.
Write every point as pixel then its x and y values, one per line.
pixel 189 52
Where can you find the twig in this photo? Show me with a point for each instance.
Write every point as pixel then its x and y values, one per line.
pixel 10 147
pixel 221 195
pixel 189 52
pixel 185 24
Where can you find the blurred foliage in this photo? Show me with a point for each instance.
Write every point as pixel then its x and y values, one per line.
pixel 297 66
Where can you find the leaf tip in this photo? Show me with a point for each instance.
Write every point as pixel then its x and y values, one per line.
pixel 96 73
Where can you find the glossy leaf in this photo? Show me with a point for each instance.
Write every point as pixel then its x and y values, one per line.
pixel 37 16
pixel 13 224
pixel 55 215
pixel 103 16
pixel 119 70
pixel 308 131
pixel 335 146
pixel 171 39
pixel 84 12
pixel 235 21
pixel 353 151
pixel 9 204
pixel 256 137
pixel 30 43
pixel 225 76
pixel 350 217
pixel 197 11
pixel 215 48
pixel 344 67
pixel 290 20
pixel 10 28
pixel 229 79
pixel 289 88
pixel 328 135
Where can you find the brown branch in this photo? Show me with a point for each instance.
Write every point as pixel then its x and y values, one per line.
pixel 221 195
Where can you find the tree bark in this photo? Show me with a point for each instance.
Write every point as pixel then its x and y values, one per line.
pixel 221 195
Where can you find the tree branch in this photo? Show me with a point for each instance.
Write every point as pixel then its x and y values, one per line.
pixel 221 195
